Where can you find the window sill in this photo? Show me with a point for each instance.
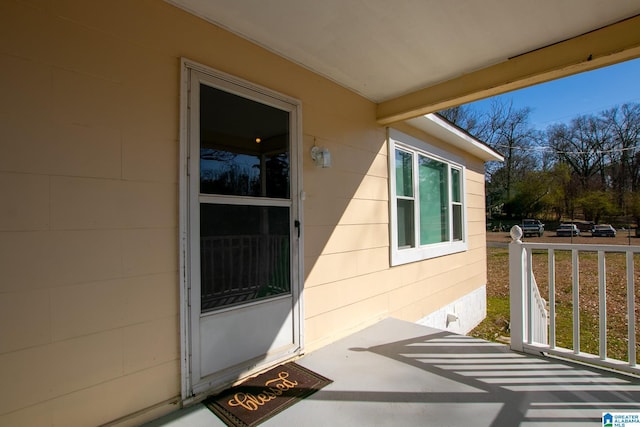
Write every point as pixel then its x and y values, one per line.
pixel 406 256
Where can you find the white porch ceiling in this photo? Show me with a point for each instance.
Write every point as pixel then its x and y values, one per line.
pixel 387 50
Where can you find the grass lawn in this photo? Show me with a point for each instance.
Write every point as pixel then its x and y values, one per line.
pixel 496 323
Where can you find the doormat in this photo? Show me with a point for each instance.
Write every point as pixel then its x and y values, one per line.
pixel 261 397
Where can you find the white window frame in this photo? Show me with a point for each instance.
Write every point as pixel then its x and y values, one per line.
pixel 402 141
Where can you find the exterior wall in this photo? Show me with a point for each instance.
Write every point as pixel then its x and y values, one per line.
pixel 89 139
pixel 349 282
pixel 89 320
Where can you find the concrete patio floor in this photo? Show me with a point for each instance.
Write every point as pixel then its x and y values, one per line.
pixel 397 373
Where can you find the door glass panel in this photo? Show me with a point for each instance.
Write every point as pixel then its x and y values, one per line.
pixel 244 254
pixel 244 146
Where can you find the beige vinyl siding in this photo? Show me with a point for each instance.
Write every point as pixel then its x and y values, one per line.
pixel 89 172
pixel 351 284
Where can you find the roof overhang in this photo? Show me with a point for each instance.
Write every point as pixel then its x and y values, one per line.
pixel 607 46
pixel 444 130
pixel 414 58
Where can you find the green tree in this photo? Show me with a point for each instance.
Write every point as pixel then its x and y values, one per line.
pixel 596 205
pixel 633 205
pixel 560 190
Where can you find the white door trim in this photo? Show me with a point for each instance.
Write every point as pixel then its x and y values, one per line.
pixel 188 392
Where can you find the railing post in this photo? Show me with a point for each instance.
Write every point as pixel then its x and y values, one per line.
pixel 516 289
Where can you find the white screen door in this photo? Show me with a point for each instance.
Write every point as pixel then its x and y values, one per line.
pixel 242 268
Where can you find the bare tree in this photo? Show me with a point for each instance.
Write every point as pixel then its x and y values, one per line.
pixel 600 155
pixel 624 157
pixel 511 133
pixel 581 145
pixel 507 130
pixel 464 117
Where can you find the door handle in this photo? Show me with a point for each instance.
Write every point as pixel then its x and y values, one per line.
pixel 296 224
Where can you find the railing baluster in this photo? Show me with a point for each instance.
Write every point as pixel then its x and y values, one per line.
pixel 631 310
pixel 602 305
pixel 529 296
pixel 552 298
pixel 576 300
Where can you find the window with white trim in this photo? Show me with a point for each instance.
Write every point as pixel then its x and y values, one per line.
pixel 427 200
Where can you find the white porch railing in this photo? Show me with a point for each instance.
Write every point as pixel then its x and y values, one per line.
pixel 239 268
pixel 533 324
pixel 539 316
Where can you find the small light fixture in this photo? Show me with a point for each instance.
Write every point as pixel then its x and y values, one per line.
pixel 321 157
pixel 258 140
pixel 452 317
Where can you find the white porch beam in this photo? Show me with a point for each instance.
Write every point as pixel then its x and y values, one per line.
pixel 599 48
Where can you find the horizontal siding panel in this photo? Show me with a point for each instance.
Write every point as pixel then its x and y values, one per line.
pixel 335 295
pixel 42 259
pixel 25 202
pixel 346 212
pixel 40 373
pixel 338 323
pixel 81 203
pixel 372 188
pixel 347 238
pixel 25 319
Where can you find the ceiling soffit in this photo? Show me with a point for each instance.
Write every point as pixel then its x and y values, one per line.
pixel 607 46
pixel 412 57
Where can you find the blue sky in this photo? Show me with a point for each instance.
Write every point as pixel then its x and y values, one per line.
pixel 561 100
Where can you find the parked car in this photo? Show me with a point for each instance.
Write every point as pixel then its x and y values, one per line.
pixel 603 230
pixel 567 230
pixel 532 227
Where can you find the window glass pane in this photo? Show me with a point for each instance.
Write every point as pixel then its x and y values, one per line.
pixel 405 224
pixel 455 185
pixel 244 146
pixel 244 254
pixel 404 174
pixel 457 222
pixel 434 201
